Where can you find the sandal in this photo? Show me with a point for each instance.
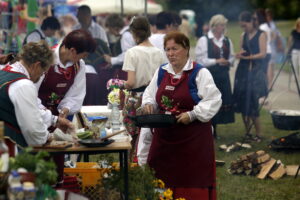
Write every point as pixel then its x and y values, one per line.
pixel 257 139
pixel 248 137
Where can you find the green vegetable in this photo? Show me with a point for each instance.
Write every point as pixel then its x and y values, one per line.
pixel 85 135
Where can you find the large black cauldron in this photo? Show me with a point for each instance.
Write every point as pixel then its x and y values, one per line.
pixel 286 119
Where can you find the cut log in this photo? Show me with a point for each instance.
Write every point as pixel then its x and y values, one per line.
pixel 266 169
pixel 248 172
pixel 223 147
pixel 278 173
pixel 220 162
pixel 291 170
pixel 260 153
pixel 243 157
pixel 262 159
pixel 251 155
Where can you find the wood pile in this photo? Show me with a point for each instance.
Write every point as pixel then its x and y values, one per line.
pixel 259 164
pixel 234 147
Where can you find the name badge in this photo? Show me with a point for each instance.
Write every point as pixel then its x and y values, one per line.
pixel 169 87
pixel 61 85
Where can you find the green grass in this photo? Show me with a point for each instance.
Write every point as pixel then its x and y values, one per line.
pixel 236 187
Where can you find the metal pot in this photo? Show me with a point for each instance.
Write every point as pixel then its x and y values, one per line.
pixel 154 120
pixel 286 119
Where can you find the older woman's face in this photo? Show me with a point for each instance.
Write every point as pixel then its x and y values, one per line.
pixel 219 28
pixel 176 54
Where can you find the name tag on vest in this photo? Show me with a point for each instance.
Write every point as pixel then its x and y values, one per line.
pixel 169 87
pixel 61 85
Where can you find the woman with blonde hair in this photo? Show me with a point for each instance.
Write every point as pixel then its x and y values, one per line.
pixel 215 52
pixel 294 47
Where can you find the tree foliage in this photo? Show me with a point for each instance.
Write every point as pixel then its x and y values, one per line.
pixel 282 9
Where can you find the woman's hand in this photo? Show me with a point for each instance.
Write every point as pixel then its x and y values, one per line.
pixel 240 54
pixel 148 109
pixel 64 113
pixel 223 62
pixel 64 124
pixel 107 58
pixel 183 118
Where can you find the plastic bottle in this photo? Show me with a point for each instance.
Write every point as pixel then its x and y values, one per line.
pixel 15 190
pixel 115 118
pixel 29 191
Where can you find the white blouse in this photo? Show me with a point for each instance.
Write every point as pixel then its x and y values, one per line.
pixel 143 61
pixel 208 106
pixel 73 99
pixel 32 121
pixel 201 50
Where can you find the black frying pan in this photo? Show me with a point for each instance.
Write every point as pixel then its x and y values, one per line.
pixel 154 120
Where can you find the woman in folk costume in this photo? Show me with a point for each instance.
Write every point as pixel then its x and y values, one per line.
pixel 250 82
pixel 25 123
pixel 63 88
pixel 183 155
pixel 215 52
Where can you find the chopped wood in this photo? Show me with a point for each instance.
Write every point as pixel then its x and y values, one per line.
pixel 266 168
pixel 220 162
pixel 248 172
pixel 247 146
pixel 223 147
pixel 243 157
pixel 251 155
pixel 260 153
pixel 278 173
pixel 262 159
pixel 291 170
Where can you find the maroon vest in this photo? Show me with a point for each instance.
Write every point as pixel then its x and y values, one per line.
pixel 56 85
pixel 182 155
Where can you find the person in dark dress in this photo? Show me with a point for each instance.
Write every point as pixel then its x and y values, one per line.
pixel 215 51
pixel 183 154
pixel 250 81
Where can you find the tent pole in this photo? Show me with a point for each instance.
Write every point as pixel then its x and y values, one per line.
pixel 122 8
pixel 146 4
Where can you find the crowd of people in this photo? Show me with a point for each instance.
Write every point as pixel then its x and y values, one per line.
pixel 42 87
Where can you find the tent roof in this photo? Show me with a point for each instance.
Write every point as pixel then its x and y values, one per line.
pixel 114 6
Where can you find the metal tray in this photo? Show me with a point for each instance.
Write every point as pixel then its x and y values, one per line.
pixel 96 142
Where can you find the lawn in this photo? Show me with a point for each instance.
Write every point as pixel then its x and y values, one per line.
pixel 235 187
pixel 234 31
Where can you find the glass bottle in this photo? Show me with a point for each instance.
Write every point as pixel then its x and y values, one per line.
pixel 115 118
pixel 4 157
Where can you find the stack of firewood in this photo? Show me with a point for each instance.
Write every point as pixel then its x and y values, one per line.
pixel 259 164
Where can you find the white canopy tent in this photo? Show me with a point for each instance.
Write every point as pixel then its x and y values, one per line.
pixel 115 6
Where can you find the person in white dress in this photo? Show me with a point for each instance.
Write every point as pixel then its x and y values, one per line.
pixel 260 19
pixel 140 63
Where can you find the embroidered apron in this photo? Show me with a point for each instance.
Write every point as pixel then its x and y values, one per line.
pixel 56 85
pixel 182 155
